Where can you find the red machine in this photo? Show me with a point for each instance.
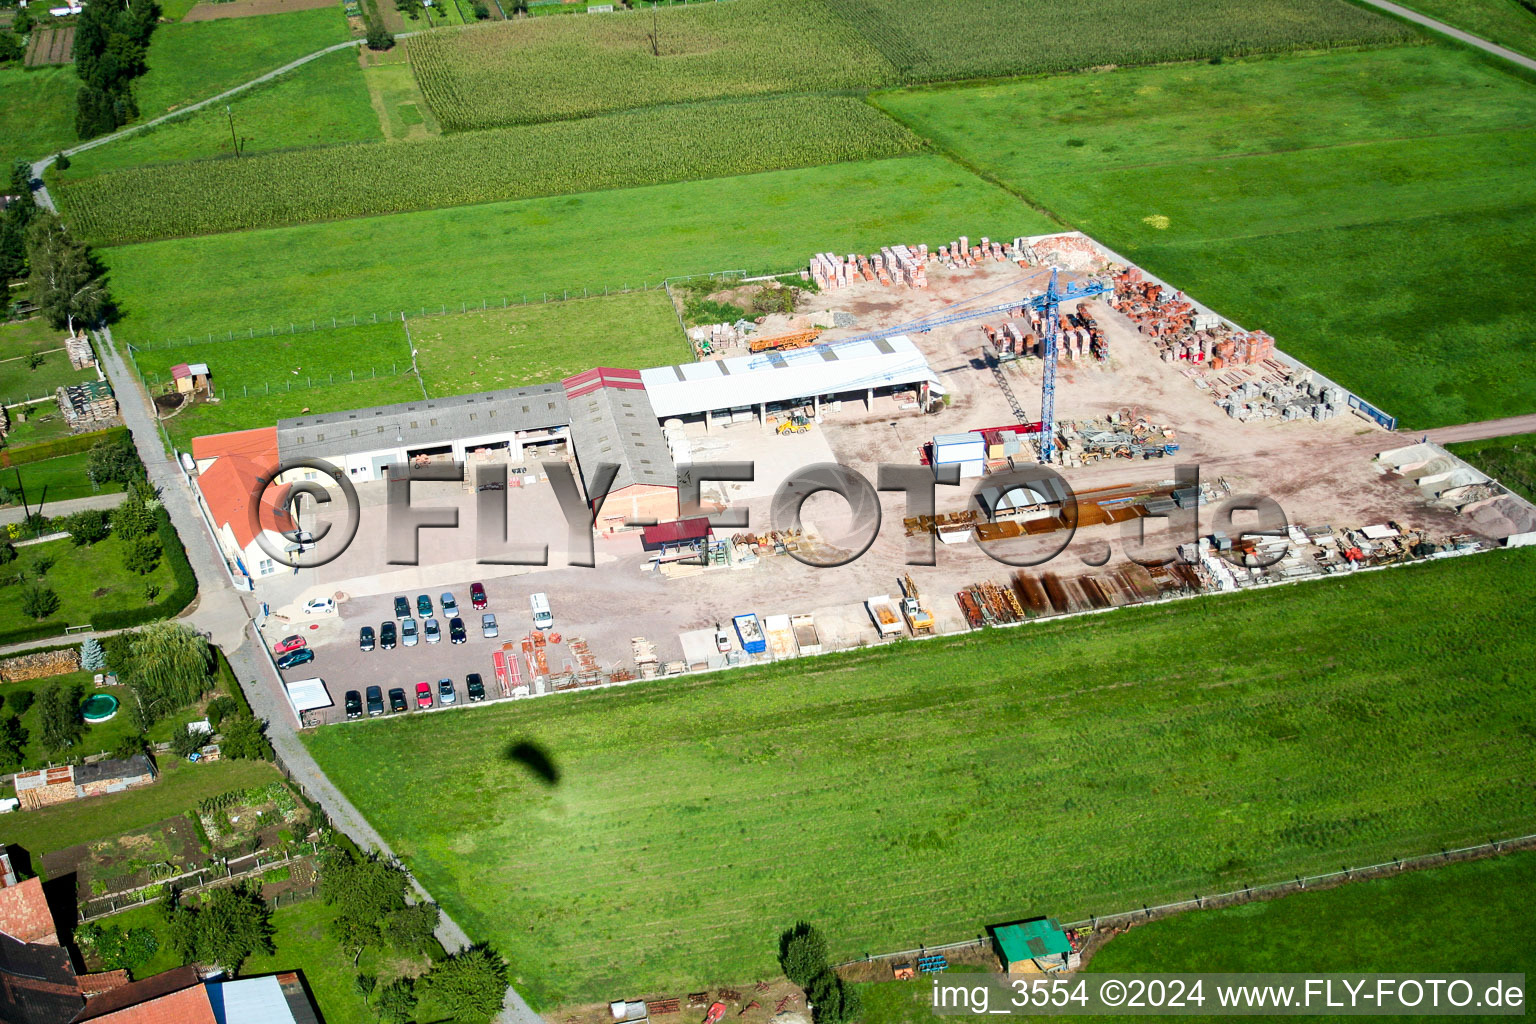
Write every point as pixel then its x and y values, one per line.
pixel 716 1012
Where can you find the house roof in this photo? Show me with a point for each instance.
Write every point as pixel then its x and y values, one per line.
pixel 24 913
pixel 257 445
pixel 230 485
pixel 675 532
pixel 114 768
pixel 1025 940
pixel 37 984
pixel 175 997
pixel 250 1001
pixel 101 982
pixel 612 423
pixel 744 381
pixel 429 422
pixel 59 775
pixel 180 370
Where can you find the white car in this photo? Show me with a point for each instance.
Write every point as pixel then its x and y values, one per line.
pixel 320 606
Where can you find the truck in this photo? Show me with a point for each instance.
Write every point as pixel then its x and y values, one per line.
pixel 806 637
pixel 542 617
pixel 781 638
pixel 919 619
pixel 882 612
pixel 750 632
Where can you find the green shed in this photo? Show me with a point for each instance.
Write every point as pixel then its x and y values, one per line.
pixel 1027 947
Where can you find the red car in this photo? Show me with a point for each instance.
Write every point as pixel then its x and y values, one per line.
pixel 477 596
pixel 291 643
pixel 423 695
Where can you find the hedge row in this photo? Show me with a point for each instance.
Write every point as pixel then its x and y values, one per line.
pixel 71 445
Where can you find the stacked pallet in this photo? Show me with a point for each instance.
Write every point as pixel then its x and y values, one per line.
pixel 892 265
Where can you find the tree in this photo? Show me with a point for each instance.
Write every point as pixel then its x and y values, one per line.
pixel 86 526
pixel 219 709
pixel 129 746
pixel 244 739
pixel 7 553
pixel 21 700
pixel 184 741
pixel 168 667
pixel 397 1003
pixel 224 929
pixel 61 161
pixel 66 283
pixel 39 601
pixel 59 716
pixel 114 461
pixel 92 657
pixel 379 37
pixel 22 23
pixel 364 891
pixel 10 48
pixel 833 1001
pixel 413 930
pixel 133 519
pixel 142 556
pixel 13 740
pixel 364 984
pixel 469 985
pixel 802 953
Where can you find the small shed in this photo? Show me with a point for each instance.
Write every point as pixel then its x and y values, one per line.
pixel 1032 947
pixel 683 537
pixel 190 377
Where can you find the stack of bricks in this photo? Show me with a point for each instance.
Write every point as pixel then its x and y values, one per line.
pixel 892 265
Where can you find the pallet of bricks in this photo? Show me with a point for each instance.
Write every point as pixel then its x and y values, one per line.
pixel 893 264
pixel 1170 322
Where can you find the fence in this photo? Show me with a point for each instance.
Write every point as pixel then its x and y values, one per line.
pixel 228 878
pixel 154 380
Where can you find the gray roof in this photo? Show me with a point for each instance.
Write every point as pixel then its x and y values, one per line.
pixel 113 768
pixel 618 426
pixel 431 421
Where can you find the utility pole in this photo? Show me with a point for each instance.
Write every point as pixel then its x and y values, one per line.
pixel 229 111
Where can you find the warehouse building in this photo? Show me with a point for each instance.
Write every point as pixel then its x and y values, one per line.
pixel 614 430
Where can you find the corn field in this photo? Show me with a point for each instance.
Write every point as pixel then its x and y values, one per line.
pixel 929 40
pixel 545 69
pixel 616 151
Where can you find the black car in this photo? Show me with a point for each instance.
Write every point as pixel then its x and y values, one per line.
pixel 375 702
pixel 456 632
pixel 302 656
pixel 474 686
pixel 387 635
pixel 396 700
pixel 402 608
pixel 354 704
pixel 365 638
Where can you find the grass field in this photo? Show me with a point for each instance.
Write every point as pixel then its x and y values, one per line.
pixel 1505 22
pixel 37 110
pixel 1510 460
pixel 931 40
pixel 323 103
pixel 20 382
pixel 766 221
pixel 64 477
pixel 1414 922
pixel 401 110
pixel 619 151
pixel 88 580
pixel 1367 209
pixel 916 793
pixel 545 69
pixel 19 337
pixel 191 61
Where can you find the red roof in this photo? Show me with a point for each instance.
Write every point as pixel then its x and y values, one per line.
pixel 602 377
pixel 257 444
pixel 175 997
pixel 101 982
pixel 24 914
pixel 236 479
pixel 676 532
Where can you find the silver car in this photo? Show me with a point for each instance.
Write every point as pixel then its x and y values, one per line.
pixel 408 631
pixel 450 606
pixel 432 631
pixel 488 626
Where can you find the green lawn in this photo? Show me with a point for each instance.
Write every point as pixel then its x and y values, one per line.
pixel 322 103
pixel 506 250
pixel 1414 922
pixel 1510 460
pixel 88 580
pixel 180 786
pixel 44 422
pixel 18 337
pixel 104 736
pixel 240 413
pixel 21 383
pixel 1367 209
pixel 478 351
pixel 916 793
pixel 406 114
pixel 1505 22
pixel 37 110
pixel 64 477
pixel 190 61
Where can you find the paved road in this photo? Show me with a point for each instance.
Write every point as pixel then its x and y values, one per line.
pixel 1485 429
pixel 62 508
pixel 1454 33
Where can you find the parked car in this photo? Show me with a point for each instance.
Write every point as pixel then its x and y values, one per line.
pixel 320 606
pixel 365 638
pixel 396 701
pixel 354 702
pixel 402 608
pixel 424 605
pixel 293 659
pixel 477 596
pixel 387 635
pixel 408 631
pixel 375 702
pixel 456 632
pixel 475 687
pixel 289 643
pixel 722 640
pixel 445 691
pixel 423 695
pixel 488 626
pixel 432 631
pixel 450 606
pixel 542 619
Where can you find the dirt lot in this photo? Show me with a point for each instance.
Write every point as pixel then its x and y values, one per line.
pixel 1319 472
pixel 251 8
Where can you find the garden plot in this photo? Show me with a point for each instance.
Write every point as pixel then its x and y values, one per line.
pixel 124 864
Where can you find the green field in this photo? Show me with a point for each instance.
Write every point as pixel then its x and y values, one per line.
pixel 545 69
pixel 18 337
pixel 190 61
pixel 506 250
pixel 1414 922
pixel 64 477
pixel 930 40
pixel 1506 22
pixel 37 111
pixel 1367 209
pixel 619 151
pixel 394 90
pixel 88 580
pixel 21 383
pixel 1511 460
pixel 322 103
pixel 919 792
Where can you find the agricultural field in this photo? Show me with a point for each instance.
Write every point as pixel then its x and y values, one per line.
pixel 619 151
pixel 556 245
pixel 191 61
pixel 322 103
pixel 546 69
pixel 501 348
pixel 1511 460
pixel 1509 23
pixel 398 105
pixel 932 40
pixel 1308 196
pixel 37 110
pixel 918 792
pixel 51 46
pixel 1396 925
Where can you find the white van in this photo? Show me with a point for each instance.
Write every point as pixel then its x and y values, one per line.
pixel 542 619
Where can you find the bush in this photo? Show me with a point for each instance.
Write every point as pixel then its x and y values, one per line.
pixel 379 37
pixel 245 740
pixel 21 700
pixel 802 953
pixel 61 161
pixel 181 594
pixel 221 708
pixel 184 741
pixel 87 526
pixel 39 601
pixel 142 556
pixel 71 445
